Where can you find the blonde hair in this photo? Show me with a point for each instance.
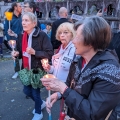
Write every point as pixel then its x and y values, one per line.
pixel 68 26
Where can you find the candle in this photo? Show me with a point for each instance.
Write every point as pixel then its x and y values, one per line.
pixel 9 16
pixel 9 24
pixel 12 44
pixel 49 76
pixel 44 62
pixel 49 92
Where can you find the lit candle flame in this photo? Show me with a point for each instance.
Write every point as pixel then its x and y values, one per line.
pixel 49 76
pixel 12 43
pixel 44 62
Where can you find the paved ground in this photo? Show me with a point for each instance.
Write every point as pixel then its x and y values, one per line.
pixel 13 104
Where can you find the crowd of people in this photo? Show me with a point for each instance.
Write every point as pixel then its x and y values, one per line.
pixel 86 72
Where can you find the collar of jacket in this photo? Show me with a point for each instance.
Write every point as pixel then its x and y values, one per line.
pixel 16 15
pixel 36 33
pixel 100 57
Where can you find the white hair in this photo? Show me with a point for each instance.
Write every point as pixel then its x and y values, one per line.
pixel 32 17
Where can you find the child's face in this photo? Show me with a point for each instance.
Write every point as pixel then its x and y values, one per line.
pixel 48 27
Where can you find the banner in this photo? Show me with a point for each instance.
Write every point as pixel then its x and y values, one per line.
pixel 76 17
pixel 38 0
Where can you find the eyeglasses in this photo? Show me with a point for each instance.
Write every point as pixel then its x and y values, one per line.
pixel 25 6
pixel 19 6
pixel 64 33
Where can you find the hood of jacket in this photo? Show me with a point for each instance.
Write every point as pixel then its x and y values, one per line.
pixel 37 31
pixel 99 57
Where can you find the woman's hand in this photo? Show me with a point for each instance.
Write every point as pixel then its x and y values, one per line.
pixel 14 54
pixel 30 51
pixel 46 67
pixel 53 99
pixel 54 84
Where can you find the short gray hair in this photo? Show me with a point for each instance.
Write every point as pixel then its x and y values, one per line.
pixel 32 17
pixel 96 32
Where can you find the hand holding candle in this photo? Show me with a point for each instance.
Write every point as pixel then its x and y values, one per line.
pixel 12 44
pixel 45 64
pixel 49 92
pixel 49 76
pixel 44 61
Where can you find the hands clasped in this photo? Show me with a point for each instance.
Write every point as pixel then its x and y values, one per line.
pixel 30 51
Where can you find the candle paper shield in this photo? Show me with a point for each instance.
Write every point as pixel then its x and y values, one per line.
pixel 8 15
pixel 12 44
pixel 44 61
pixel 49 76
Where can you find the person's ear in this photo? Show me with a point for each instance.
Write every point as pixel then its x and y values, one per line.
pixel 35 24
pixel 66 14
pixel 15 7
pixel 31 10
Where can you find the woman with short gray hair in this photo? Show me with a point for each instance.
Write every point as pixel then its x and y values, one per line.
pixel 32 17
pixel 93 84
pixel 33 46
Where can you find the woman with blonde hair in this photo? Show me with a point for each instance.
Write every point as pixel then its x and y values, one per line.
pixel 62 60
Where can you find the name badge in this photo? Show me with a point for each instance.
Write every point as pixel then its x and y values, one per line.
pixel 25 54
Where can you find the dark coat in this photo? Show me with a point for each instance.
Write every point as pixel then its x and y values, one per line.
pixel 115 43
pixel 42 46
pixel 96 90
pixel 55 25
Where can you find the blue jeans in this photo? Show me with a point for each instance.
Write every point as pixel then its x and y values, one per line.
pixel 35 95
pixel 1 41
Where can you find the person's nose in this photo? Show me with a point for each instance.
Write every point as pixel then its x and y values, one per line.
pixel 62 34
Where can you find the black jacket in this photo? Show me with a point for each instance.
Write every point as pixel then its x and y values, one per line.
pixel 115 43
pixel 42 46
pixel 55 25
pixel 96 89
